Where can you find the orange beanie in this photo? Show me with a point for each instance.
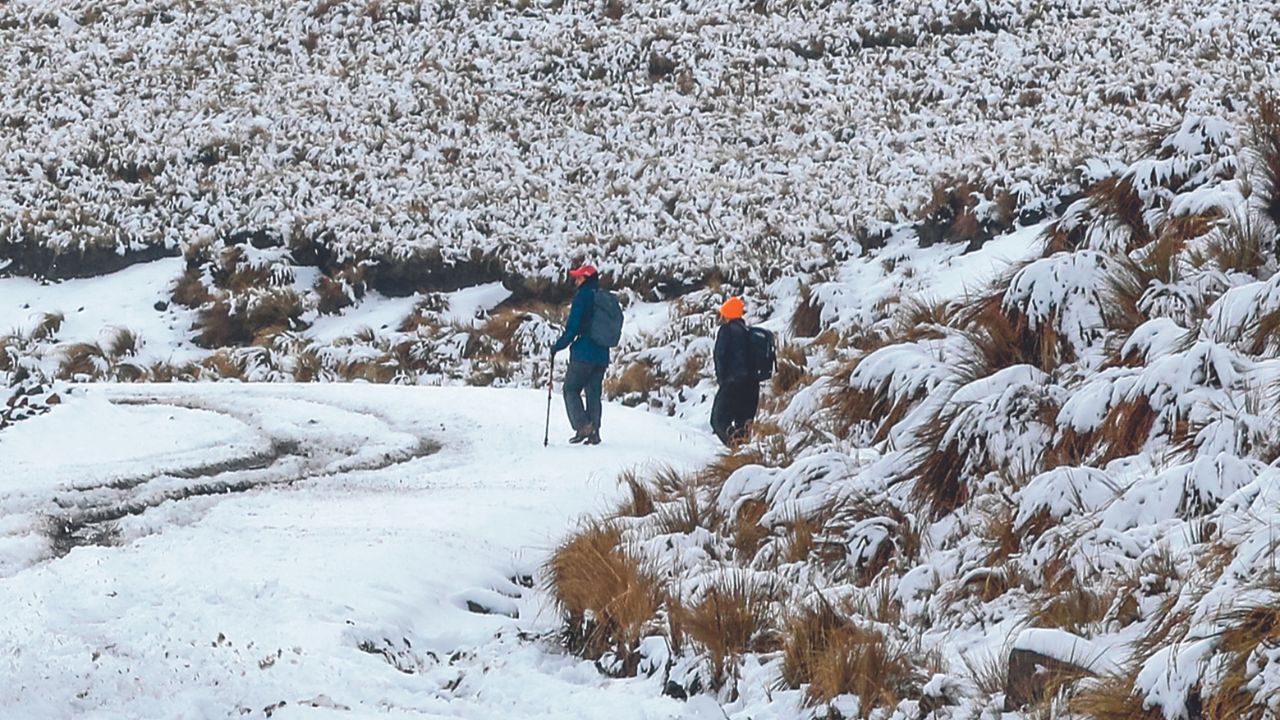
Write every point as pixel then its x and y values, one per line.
pixel 733 308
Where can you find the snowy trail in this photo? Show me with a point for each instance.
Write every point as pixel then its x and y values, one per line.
pixel 214 551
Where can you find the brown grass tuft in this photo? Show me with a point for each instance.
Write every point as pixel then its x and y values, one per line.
pixel 999 339
pixel 1113 698
pixel 748 533
pixel 791 370
pixel 1240 244
pixel 610 599
pixel 1125 429
pixel 122 342
pixel 633 385
pixel 47 326
pixel 1117 200
pixel 1265 127
pixel 733 617
pixel 190 290
pixel 806 320
pixel 1078 610
pixel 640 503
pixel 864 664
pixel 82 360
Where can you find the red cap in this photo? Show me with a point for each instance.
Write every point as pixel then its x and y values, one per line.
pixel 583 271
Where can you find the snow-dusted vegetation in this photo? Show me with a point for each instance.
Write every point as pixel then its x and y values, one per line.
pixel 1073 470
pixel 1018 454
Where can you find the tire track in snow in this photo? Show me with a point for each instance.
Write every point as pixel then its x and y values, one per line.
pixel 87 515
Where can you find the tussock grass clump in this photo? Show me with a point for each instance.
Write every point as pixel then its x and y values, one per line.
pixel 190 290
pixel 733 616
pixel 806 320
pixel 633 385
pixel 1238 244
pixel 47 326
pixel 1248 630
pixel 121 342
pixel 82 361
pixel 250 318
pixel 640 503
pixel 609 597
pixel 1265 130
pixel 1113 698
pixel 831 654
pixel 340 290
pixel 1078 610
pixel 791 371
pixel 998 339
pixel 748 532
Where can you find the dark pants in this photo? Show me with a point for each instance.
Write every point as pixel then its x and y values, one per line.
pixel 578 378
pixel 734 409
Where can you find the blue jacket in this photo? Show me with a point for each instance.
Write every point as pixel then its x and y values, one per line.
pixel 583 348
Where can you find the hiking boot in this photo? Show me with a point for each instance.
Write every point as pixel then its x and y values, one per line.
pixel 593 439
pixel 583 434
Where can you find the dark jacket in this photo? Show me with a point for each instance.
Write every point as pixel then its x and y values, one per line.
pixel 583 349
pixel 733 353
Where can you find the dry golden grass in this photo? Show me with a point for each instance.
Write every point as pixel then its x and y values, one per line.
pixel 1116 199
pixel 47 326
pixel 714 475
pixel 640 501
pixel 1078 610
pixel 1265 127
pixel 334 295
pixel 610 599
pixel 748 533
pixel 849 408
pixel 806 320
pixel 121 342
pixel 1000 339
pixel 1113 698
pixel 82 360
pixel 791 370
pixel 733 617
pixel 809 631
pixel 10 347
pixel 1246 630
pixel 190 290
pixel 686 514
pixel 1125 429
pixel 225 364
pixel 1240 244
pixel 880 673
pixel 637 382
pixel 939 472
pixel 166 372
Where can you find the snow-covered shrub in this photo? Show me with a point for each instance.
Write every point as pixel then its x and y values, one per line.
pixel 1061 307
pixel 883 387
pixel 1002 423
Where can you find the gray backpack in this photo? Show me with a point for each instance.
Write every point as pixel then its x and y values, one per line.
pixel 604 327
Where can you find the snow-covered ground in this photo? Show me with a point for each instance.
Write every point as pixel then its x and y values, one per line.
pixel 229 550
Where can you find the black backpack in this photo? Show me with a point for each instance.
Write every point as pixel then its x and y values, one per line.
pixel 762 355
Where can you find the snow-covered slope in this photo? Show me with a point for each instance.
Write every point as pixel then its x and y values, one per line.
pixel 213 550
pixel 671 141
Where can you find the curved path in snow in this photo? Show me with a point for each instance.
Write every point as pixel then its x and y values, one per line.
pixel 208 551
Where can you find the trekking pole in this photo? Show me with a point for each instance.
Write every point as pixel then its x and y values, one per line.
pixel 551 378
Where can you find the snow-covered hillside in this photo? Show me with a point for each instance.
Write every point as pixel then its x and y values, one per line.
pixel 272 551
pixel 672 142
pixel 1018 460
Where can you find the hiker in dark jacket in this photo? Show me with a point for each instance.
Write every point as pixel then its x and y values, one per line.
pixel 587 361
pixel 739 395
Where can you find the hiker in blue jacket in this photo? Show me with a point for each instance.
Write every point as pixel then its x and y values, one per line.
pixel 587 360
